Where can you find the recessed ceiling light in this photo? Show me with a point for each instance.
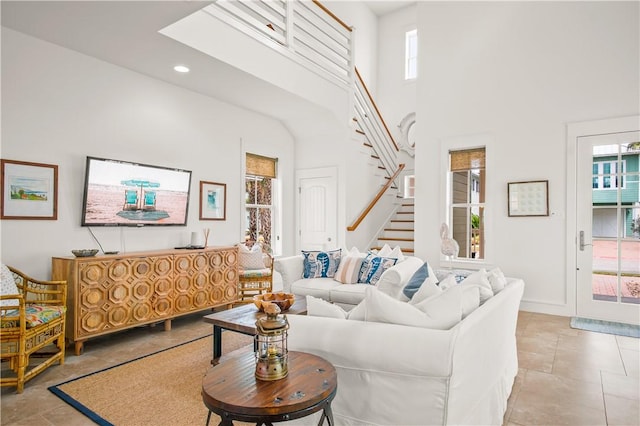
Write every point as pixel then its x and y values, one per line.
pixel 181 68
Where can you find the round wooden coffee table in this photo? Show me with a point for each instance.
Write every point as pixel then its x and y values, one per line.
pixel 231 390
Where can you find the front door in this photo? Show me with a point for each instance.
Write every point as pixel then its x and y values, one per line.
pixel 317 207
pixel 608 226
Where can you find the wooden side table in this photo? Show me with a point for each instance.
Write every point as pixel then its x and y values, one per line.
pixel 232 391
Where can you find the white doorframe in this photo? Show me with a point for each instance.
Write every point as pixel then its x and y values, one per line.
pixel 321 172
pixel 575 131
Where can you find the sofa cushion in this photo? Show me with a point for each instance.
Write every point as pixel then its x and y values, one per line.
pixel 497 280
pixel 470 299
pixel 394 253
pixel 317 287
pixel 349 268
pixel 480 279
pixel 423 274
pixel 441 311
pixel 321 264
pixel 427 289
pixel 321 308
pixel 348 294
pixel 395 278
pixel 373 267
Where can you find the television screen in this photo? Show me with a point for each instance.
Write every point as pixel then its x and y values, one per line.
pixel 122 193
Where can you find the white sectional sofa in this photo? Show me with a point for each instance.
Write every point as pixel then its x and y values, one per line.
pixel 344 295
pixel 390 374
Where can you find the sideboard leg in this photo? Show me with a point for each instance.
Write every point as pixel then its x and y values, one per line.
pixel 79 347
pixel 167 325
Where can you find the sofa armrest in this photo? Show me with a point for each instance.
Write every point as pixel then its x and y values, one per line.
pixel 393 280
pixel 291 269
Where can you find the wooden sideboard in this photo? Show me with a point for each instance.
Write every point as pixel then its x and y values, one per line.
pixel 111 293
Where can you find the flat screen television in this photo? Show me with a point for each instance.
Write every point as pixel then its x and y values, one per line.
pixel 123 193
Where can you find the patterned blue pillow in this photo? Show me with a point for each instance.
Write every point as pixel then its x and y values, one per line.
pixel 321 264
pixel 372 268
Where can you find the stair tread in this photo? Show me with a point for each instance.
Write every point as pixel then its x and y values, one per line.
pixel 395 239
pixel 399 229
pixel 402 220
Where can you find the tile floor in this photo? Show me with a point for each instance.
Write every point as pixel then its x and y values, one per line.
pixel 567 376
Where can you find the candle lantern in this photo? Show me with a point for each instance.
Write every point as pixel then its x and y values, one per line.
pixel 271 344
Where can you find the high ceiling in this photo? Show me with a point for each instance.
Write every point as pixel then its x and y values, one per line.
pixel 125 33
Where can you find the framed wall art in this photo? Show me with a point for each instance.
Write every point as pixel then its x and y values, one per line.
pixel 529 198
pixel 29 190
pixel 213 201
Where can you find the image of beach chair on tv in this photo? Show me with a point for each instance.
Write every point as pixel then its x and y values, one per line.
pixel 149 200
pixel 130 199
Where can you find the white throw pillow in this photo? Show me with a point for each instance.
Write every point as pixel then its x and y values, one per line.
pixel 444 308
pixel 427 289
pixel 317 307
pixel 449 281
pixel 385 251
pixel 7 286
pixel 359 312
pixel 250 258
pixel 497 280
pixel 470 299
pixel 480 279
pixel 437 312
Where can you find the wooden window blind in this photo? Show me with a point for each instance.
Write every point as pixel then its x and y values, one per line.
pixel 257 165
pixel 468 159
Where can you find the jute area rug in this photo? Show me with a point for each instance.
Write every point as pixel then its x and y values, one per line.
pixel 158 389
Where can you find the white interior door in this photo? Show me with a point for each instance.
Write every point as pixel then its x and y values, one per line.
pixel 608 214
pixel 317 208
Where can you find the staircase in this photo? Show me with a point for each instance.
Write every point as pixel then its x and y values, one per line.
pixel 310 35
pixel 400 228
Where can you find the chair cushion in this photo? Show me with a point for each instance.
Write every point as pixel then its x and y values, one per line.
pixel 254 273
pixel 7 286
pixel 37 314
pixel 250 258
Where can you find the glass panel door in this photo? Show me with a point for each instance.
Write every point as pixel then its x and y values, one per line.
pixel 608 205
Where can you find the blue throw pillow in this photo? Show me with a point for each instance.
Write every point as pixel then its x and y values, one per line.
pixel 321 264
pixel 418 278
pixel 372 268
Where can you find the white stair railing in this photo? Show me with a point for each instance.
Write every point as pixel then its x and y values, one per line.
pixel 309 33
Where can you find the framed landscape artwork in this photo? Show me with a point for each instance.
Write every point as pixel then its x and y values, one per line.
pixel 213 201
pixel 29 190
pixel 529 198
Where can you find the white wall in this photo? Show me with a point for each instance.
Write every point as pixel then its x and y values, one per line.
pixel 511 75
pixel 396 96
pixel 59 106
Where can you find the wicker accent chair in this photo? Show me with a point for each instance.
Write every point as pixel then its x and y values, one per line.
pixel 255 281
pixel 31 318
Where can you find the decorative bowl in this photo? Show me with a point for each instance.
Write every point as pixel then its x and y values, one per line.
pixel 84 252
pixel 283 300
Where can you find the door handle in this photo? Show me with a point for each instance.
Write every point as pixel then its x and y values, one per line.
pixel 581 241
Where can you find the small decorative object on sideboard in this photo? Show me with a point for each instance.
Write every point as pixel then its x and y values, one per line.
pixel 84 252
pixel 283 300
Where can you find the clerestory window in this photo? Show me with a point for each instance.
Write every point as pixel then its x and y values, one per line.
pixel 411 55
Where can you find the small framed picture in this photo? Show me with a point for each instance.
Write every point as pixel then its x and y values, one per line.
pixel 213 201
pixel 29 190
pixel 529 198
